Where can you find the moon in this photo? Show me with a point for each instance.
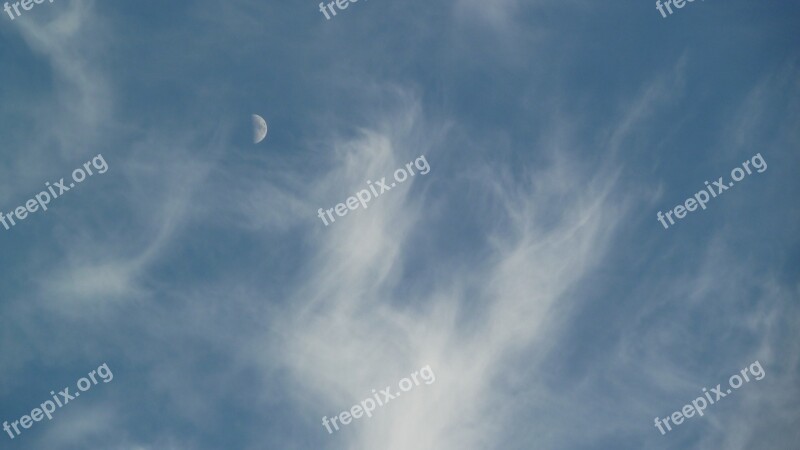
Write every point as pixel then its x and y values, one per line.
pixel 259 128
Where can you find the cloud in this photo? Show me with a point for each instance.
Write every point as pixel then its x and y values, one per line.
pixel 353 325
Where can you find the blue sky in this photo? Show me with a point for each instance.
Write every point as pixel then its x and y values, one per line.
pixel 528 268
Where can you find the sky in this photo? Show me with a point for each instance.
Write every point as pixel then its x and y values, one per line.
pixel 527 269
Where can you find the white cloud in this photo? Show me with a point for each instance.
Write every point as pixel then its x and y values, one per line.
pixel 352 327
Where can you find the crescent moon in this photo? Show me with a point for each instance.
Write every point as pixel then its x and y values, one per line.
pixel 259 128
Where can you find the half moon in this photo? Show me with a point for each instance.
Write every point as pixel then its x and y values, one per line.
pixel 259 128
